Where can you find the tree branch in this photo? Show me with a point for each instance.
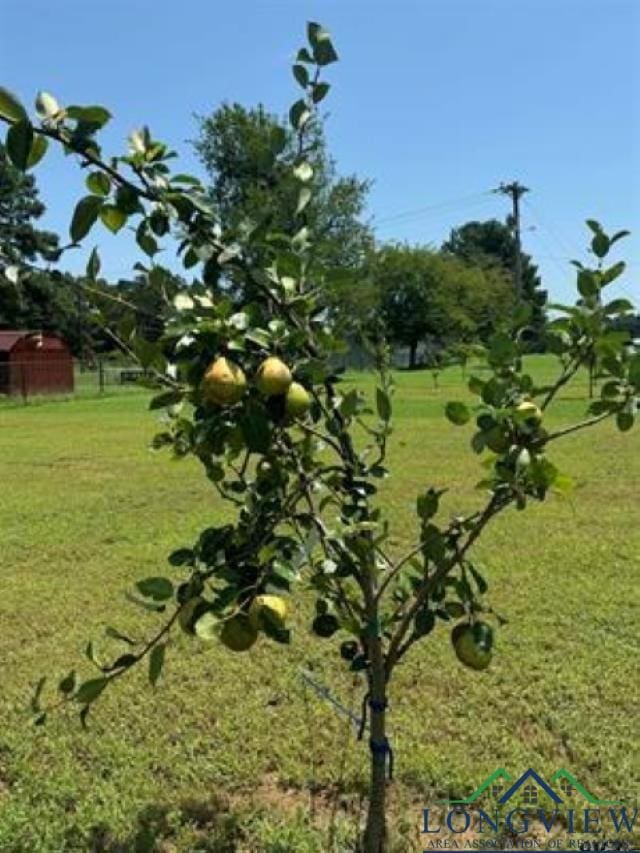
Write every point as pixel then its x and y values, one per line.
pixel 495 505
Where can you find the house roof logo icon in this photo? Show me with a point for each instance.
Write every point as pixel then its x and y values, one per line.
pixel 566 781
pixel 532 776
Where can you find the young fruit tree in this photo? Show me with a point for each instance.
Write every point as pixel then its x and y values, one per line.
pixel 297 454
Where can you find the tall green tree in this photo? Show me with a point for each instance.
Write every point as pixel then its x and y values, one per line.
pixel 32 296
pixel 20 208
pixel 491 243
pixel 249 156
pixel 425 294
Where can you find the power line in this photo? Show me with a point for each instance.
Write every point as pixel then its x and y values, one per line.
pixel 554 233
pixel 419 211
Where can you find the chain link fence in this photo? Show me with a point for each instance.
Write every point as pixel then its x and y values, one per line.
pixel 24 381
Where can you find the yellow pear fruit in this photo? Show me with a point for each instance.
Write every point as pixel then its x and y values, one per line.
pixel 224 382
pixel 271 606
pixel 297 401
pixel 274 377
pixel 238 634
pixel 527 414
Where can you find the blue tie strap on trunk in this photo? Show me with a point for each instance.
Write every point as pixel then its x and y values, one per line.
pixel 383 747
pixel 376 705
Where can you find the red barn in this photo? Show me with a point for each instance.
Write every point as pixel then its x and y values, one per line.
pixel 34 363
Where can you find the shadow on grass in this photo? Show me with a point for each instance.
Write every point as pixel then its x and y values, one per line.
pixel 323 824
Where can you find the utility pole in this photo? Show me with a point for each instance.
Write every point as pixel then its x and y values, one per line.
pixel 515 191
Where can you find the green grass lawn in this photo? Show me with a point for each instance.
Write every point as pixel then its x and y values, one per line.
pixel 231 752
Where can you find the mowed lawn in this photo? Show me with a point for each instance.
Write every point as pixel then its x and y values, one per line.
pixel 230 752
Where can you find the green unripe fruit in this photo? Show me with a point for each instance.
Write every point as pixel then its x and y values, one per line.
pixel 297 401
pixel 190 613
pixel 224 382
pixel 273 377
pixel 238 634
pixel 325 626
pixel 496 440
pixel 269 607
pixel 473 644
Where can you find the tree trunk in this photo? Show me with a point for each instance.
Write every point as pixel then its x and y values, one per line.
pixel 375 836
pixel 413 351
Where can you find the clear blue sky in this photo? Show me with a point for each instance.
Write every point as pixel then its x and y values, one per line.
pixel 436 100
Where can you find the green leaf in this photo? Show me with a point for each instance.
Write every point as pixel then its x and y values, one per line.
pixel 424 622
pixel 434 546
pixel 304 56
pixel 90 690
pixel 167 398
pixel 319 91
pixel 256 428
pixel 94 115
pixel 383 404
pixel 303 199
pixel 299 239
pixel 502 350
pixel 613 273
pixel 458 413
pixel 84 216
pixel 588 284
pixel 128 200
pixel 98 183
pixel 182 557
pixel 476 385
pixel 320 41
pixel 159 589
pixel 146 242
pixel 618 236
pixel 299 115
pixel 156 662
pixel 427 504
pixel 10 107
pixel 113 217
pixel 19 141
pixel 38 150
pixel 93 265
pixel 594 225
pixel 618 306
pixel 480 581
pixel 600 244
pixel 350 403
pixel 301 74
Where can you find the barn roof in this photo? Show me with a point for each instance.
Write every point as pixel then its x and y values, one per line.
pixel 10 337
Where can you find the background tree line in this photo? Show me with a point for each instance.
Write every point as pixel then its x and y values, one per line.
pixel 433 301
